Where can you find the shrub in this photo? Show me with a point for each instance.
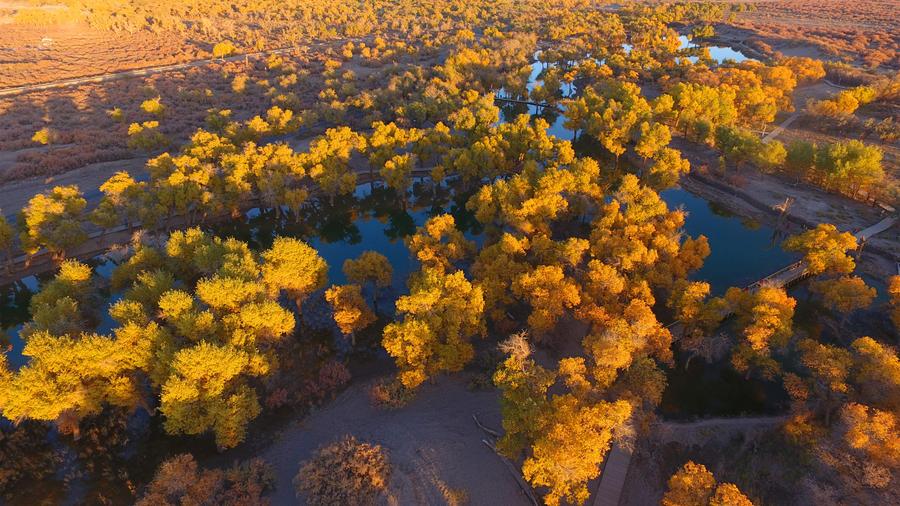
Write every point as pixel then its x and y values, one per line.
pixel 153 106
pixel 43 136
pixel 390 394
pixel 332 376
pixel 223 49
pixel 346 472
pixel 180 480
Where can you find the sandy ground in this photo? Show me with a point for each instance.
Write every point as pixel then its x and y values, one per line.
pixel 35 54
pixel 15 195
pixel 434 444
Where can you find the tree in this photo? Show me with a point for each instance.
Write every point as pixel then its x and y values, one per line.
pixel 123 200
pixel 53 220
pixel 824 249
pixel 894 293
pixel 571 443
pixel 694 485
pixel 873 432
pixel 765 315
pixel 439 316
pixel 807 70
pixel 153 106
pixel 851 165
pixel 383 145
pixel 328 160
pixel 69 378
pixel 610 112
pixel 351 313
pixel 549 292
pixel 766 319
pixel 372 268
pixel 845 294
pixel 667 168
pixel 6 240
pixel 800 159
pixel 524 385
pixel 205 392
pixel 653 138
pixel 43 136
pixel 439 243
pixel 345 472
pixel 877 373
pixel 293 266
pixel 699 317
pixel 65 305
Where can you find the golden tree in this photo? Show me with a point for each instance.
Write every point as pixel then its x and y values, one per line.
pixel 351 313
pixel 294 267
pixel 439 316
pixel 824 249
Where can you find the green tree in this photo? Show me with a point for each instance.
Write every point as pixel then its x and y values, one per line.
pixel 851 166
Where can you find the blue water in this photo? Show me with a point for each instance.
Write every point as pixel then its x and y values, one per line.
pixel 741 251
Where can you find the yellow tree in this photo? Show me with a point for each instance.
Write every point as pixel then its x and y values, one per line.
pixel 766 319
pixel 294 267
pixel 69 378
pixel 328 160
pixel 372 268
pixel 549 292
pixel 65 305
pixel 824 249
pixel 845 294
pixel 694 485
pixel 523 385
pixel 53 220
pixel 667 168
pixel 439 243
pixel 206 392
pixel 894 294
pixel 439 316
pixel 573 438
pixel 351 313
pixel 873 432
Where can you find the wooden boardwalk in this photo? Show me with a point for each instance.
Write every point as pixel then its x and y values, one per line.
pixel 615 469
pixel 526 102
pixel 798 270
pixel 612 480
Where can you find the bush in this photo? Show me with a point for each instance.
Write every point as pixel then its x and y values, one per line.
pixel 153 106
pixel 43 136
pixel 346 472
pixel 390 394
pixel 180 480
pixel 223 49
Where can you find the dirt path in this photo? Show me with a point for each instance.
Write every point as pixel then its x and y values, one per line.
pixel 780 128
pixel 434 445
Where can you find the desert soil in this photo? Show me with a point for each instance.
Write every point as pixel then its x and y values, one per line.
pixel 435 448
